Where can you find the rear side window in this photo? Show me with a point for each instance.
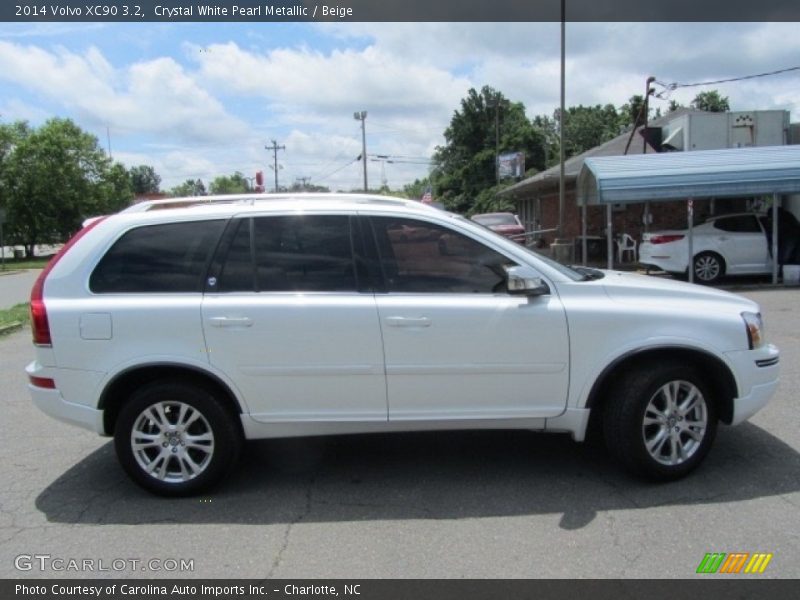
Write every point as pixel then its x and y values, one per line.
pixel 738 224
pixel 304 253
pixel 158 258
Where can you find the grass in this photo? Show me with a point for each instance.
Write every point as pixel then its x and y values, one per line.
pixel 18 313
pixel 14 264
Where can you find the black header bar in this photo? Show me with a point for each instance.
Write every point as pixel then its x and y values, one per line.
pixel 398 10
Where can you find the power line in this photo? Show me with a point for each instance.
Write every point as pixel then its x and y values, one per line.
pixel 669 87
pixel 324 177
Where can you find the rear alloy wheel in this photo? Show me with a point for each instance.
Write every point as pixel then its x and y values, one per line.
pixel 708 267
pixel 660 421
pixel 175 439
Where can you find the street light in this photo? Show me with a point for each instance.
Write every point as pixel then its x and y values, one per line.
pixel 362 116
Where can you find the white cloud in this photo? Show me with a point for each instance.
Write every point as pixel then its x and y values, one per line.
pixel 156 96
pixel 211 110
pixel 304 80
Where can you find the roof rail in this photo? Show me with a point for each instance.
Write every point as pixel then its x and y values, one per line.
pixel 188 201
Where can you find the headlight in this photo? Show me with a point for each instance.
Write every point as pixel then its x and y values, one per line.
pixel 755 329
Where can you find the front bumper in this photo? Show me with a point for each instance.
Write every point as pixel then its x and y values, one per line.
pixel 759 374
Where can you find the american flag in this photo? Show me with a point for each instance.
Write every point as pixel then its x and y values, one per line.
pixel 427 197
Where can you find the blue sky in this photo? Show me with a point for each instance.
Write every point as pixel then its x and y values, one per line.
pixel 201 100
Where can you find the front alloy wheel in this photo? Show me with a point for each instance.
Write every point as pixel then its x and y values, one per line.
pixel 660 419
pixel 675 422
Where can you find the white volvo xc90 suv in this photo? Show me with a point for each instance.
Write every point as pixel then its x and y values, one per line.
pixel 183 332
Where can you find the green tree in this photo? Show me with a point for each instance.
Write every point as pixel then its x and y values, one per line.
pixel 588 126
pixel 415 190
pixel 711 101
pixel 486 124
pixel 145 180
pixel 56 176
pixel 308 187
pixel 190 187
pixel 117 188
pixel 10 135
pixel 584 128
pixel 673 106
pixel 631 114
pixel 230 184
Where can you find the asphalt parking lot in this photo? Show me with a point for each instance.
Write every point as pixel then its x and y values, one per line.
pixel 475 505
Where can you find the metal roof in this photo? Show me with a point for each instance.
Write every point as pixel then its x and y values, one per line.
pixel 695 174
pixel 572 166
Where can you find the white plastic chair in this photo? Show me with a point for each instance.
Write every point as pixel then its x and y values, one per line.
pixel 626 243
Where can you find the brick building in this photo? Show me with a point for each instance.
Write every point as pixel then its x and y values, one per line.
pixel 683 130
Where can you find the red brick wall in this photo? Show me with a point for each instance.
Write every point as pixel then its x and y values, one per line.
pixel 665 215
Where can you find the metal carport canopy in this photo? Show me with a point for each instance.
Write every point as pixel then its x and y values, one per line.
pixel 728 173
pixel 696 174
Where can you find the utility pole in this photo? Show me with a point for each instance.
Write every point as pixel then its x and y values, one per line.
pixel 561 181
pixel 561 247
pixel 497 138
pixel 383 159
pixel 275 149
pixel 362 116
pixel 303 181
pixel 647 93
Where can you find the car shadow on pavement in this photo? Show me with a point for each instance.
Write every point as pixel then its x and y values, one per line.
pixel 451 475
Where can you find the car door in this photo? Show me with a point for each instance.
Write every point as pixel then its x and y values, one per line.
pixel 742 243
pixel 284 319
pixel 457 345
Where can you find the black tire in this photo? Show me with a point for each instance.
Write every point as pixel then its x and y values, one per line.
pixel 674 450
pixel 709 267
pixel 188 440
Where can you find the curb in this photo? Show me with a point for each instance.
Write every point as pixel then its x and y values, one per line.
pixel 13 272
pixel 8 328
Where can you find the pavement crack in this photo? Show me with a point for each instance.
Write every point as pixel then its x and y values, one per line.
pixel 288 531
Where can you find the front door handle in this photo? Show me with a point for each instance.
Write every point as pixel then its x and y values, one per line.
pixel 231 322
pixel 408 321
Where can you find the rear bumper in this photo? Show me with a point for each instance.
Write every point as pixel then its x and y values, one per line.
pixel 52 403
pixel 663 258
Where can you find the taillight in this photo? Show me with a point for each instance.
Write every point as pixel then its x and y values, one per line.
pixel 664 239
pixel 42 382
pixel 39 324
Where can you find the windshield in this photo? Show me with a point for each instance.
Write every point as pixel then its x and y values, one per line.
pixel 563 269
pixel 495 219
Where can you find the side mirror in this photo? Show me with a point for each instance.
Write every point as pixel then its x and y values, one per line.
pixel 524 281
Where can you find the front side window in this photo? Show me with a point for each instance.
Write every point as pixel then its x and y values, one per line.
pixel 421 257
pixel 167 258
pixel 298 253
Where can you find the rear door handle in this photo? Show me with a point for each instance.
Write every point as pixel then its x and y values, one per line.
pixel 408 321
pixel 231 321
